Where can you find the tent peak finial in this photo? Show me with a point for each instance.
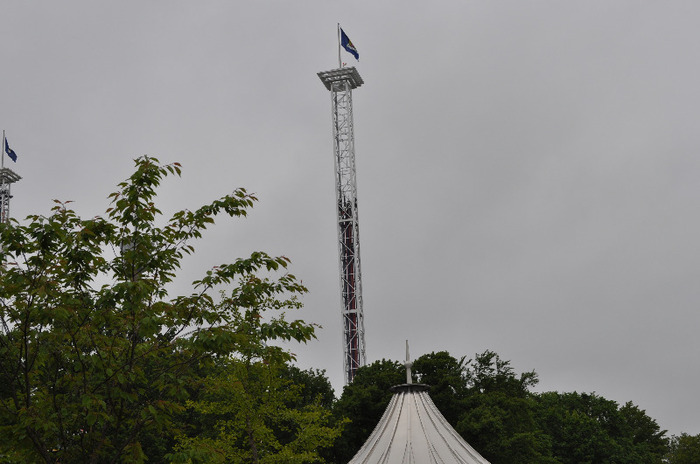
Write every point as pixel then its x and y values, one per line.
pixel 408 364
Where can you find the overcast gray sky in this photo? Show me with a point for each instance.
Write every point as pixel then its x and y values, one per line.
pixel 528 171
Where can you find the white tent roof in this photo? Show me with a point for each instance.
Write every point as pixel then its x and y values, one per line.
pixel 413 431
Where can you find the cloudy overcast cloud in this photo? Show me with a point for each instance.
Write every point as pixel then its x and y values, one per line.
pixel 528 172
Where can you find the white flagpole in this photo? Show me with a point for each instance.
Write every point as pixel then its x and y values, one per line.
pixel 3 148
pixel 340 63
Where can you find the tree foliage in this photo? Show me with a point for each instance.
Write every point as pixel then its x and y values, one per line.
pixel 96 357
pixel 684 449
pixel 497 415
pixel 588 428
pixel 313 383
pixel 447 379
pixel 244 415
pixel 249 411
pixel 495 410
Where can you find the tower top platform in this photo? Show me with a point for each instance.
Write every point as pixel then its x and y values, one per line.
pixel 8 176
pixel 341 74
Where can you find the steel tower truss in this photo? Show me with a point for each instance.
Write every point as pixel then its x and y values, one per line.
pixel 340 82
pixel 7 178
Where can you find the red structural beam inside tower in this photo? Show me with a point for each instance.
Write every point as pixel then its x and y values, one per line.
pixel 348 261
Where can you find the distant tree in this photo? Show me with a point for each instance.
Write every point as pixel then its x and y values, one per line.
pixel 97 358
pixel 588 428
pixel 642 436
pixel 498 414
pixel 684 449
pixel 314 384
pixel 446 377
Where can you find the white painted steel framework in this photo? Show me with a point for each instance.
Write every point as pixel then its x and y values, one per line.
pixel 341 82
pixel 7 178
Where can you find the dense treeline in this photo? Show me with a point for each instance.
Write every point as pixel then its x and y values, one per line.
pixel 494 409
pixel 99 364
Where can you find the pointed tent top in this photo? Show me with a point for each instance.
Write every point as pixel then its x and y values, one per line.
pixel 412 430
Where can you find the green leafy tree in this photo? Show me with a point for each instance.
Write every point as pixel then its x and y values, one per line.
pixel 586 428
pixel 250 411
pixel 97 358
pixel 315 386
pixel 642 437
pixel 498 415
pixel 446 377
pixel 250 421
pixel 493 408
pixel 684 449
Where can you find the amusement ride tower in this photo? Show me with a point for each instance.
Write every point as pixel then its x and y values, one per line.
pixel 341 82
pixel 7 178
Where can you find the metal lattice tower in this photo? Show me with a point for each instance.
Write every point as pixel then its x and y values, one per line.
pixel 341 82
pixel 7 178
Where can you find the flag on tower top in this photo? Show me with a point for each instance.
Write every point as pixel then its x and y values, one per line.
pixel 10 152
pixel 347 44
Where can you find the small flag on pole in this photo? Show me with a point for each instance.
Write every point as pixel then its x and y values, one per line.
pixel 347 45
pixel 10 152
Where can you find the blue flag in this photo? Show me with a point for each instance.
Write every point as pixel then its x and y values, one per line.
pixel 10 152
pixel 347 45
